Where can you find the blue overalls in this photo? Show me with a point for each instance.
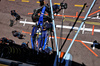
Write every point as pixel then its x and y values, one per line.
pixel 95 44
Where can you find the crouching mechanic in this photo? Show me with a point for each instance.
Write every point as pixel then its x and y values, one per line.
pixel 56 9
pixel 25 44
pixel 94 44
pixel 41 2
pixel 17 34
pixel 5 40
pixel 15 16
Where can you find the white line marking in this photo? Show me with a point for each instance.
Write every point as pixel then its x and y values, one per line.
pixel 87 42
pixel 95 17
pixel 76 28
pixel 68 27
pixel 28 22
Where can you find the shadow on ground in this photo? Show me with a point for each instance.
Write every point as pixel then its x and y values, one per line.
pixel 77 64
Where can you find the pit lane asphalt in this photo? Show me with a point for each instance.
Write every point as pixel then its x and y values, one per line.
pixel 78 51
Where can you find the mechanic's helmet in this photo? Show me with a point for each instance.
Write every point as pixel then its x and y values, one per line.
pixel 95 41
pixel 63 5
pixel 12 11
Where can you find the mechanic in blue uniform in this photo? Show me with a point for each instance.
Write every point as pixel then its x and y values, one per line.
pixel 14 14
pixel 47 27
pixel 4 40
pixel 0 42
pixel 25 44
pixel 17 34
pixel 95 43
pixel 38 40
pixel 42 37
pixel 56 9
pixel 41 2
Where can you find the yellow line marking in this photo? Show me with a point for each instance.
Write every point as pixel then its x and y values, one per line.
pixel 56 3
pixel 79 21
pixel 25 0
pixel 82 11
pixel 76 31
pixel 99 6
pixel 11 0
pixel 37 2
pixel 78 5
